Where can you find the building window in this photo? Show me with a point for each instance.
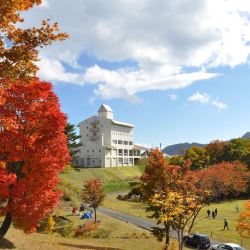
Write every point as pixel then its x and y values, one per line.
pixel 120 161
pixel 99 150
pixel 120 142
pixel 130 161
pixel 120 152
pixel 130 143
pixel 115 141
pixel 125 152
pixel 93 150
pixel 125 161
pixel 87 151
pixel 115 152
pixel 130 152
pixel 125 142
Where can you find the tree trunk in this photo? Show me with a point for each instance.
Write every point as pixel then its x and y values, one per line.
pixel 192 223
pixel 6 225
pixel 167 229
pixel 181 239
pixel 95 214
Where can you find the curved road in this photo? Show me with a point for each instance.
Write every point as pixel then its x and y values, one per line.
pixel 140 222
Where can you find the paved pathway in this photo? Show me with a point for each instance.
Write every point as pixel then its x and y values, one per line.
pixel 140 222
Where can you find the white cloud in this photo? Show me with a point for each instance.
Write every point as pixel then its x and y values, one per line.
pixel 219 105
pixel 162 37
pixel 53 70
pixel 173 97
pixel 205 98
pixel 199 97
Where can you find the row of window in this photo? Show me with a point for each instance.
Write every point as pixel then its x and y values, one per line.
pixel 125 161
pixel 122 134
pixel 122 142
pixel 92 150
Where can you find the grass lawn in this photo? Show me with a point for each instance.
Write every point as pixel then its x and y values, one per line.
pixel 114 179
pixel 211 227
pixel 122 236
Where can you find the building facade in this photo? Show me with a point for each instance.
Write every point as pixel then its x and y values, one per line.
pixel 106 142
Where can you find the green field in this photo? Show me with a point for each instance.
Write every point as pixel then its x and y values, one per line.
pixel 114 179
pixel 211 227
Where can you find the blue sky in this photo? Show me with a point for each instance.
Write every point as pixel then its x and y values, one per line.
pixel 177 70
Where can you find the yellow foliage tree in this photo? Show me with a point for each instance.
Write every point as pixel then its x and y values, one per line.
pixel 177 209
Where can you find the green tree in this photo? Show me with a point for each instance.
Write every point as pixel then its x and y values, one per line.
pixel 197 156
pixel 72 140
pixel 238 150
pixel 176 160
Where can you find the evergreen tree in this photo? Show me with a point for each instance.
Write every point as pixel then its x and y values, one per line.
pixel 72 140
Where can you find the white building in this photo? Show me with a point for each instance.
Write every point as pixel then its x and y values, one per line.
pixel 106 142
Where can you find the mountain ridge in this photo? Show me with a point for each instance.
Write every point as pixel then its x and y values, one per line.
pixel 180 148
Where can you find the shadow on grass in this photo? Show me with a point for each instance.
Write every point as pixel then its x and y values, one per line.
pixel 6 244
pixel 88 247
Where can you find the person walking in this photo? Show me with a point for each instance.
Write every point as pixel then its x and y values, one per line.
pixel 208 213
pixel 225 225
pixel 213 215
pixel 237 208
pixel 215 211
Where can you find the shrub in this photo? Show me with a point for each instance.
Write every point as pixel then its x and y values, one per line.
pixel 85 229
pixel 47 225
pixel 67 169
pixel 66 230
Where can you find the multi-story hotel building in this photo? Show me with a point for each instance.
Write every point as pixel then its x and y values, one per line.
pixel 106 142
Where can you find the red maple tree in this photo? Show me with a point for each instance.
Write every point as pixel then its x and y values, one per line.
pixel 93 194
pixel 33 150
pixel 226 179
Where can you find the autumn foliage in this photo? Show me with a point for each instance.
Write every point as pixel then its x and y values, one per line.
pixel 33 150
pixel 171 195
pixel 176 194
pixel 224 180
pixel 93 194
pixel 18 46
pixel 244 222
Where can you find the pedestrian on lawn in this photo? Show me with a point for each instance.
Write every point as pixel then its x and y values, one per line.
pixel 213 215
pixel 225 225
pixel 208 213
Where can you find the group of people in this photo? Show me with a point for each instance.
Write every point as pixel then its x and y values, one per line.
pixel 86 215
pixel 75 211
pixel 214 213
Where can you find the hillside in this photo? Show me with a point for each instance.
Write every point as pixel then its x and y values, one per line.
pixel 114 179
pixel 176 149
